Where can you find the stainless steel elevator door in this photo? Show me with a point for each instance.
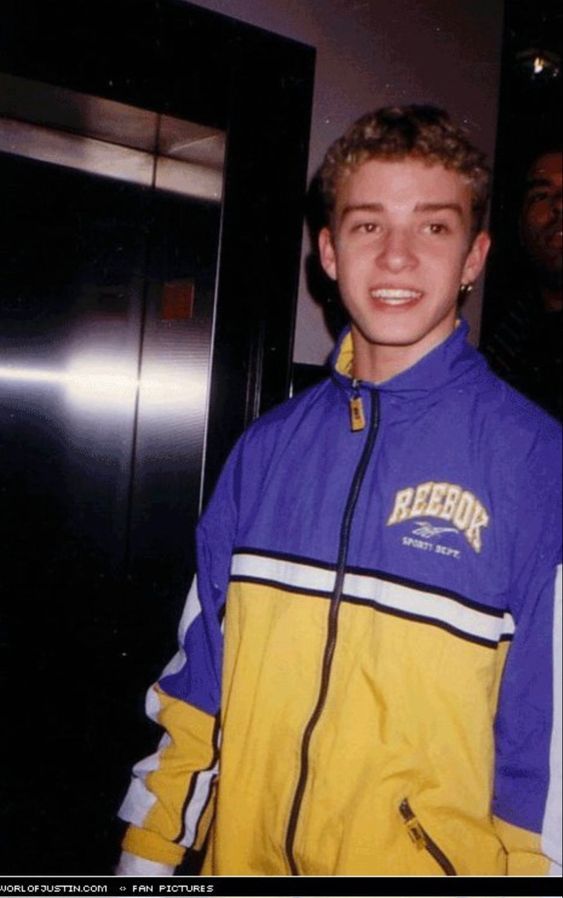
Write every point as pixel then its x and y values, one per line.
pixel 106 324
pixel 96 547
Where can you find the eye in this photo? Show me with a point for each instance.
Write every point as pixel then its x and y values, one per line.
pixel 366 227
pixel 539 196
pixel 437 227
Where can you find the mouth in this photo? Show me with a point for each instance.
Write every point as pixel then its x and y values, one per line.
pixel 395 296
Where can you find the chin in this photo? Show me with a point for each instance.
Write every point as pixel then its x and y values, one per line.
pixel 395 337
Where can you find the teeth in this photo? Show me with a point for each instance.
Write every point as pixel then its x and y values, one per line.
pixel 394 295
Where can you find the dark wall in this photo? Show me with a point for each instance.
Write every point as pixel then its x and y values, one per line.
pixel 529 119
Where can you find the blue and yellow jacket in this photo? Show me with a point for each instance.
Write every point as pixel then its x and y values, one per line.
pixel 365 683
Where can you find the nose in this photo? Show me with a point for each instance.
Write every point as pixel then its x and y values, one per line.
pixel 396 252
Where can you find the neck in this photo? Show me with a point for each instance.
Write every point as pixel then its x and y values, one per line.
pixel 381 364
pixel 377 363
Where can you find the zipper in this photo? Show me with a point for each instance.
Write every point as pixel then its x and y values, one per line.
pixel 331 630
pixel 422 840
pixel 357 417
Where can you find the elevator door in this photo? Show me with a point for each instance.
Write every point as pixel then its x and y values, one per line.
pixel 106 326
pixel 110 408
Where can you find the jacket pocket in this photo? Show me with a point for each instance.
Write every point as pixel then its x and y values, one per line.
pixel 422 840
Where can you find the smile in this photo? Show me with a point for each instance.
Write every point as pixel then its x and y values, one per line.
pixel 395 296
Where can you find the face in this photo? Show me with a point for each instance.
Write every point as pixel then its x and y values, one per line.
pixel 400 248
pixel 540 223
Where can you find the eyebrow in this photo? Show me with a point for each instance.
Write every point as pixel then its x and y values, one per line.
pixel 439 207
pixel 420 207
pixel 362 207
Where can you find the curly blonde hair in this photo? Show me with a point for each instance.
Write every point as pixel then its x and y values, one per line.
pixel 397 132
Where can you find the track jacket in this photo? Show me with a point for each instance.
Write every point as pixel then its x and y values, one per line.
pixel 369 644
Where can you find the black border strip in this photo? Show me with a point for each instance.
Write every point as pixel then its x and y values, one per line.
pixel 260 885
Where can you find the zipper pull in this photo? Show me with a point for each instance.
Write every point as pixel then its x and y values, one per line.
pixel 414 829
pixel 416 834
pixel 357 417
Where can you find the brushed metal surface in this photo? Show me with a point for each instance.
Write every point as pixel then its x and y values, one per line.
pixel 101 136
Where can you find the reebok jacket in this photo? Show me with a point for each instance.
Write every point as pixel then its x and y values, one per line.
pixel 368 680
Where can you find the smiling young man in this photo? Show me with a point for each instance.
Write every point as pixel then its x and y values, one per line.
pixel 400 246
pixel 368 678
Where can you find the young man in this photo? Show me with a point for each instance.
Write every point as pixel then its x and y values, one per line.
pixel 365 684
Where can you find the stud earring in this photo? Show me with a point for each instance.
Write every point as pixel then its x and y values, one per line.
pixel 465 289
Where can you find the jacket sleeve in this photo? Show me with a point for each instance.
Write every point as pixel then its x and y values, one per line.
pixel 170 801
pixel 527 794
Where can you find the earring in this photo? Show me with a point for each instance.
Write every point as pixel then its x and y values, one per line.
pixel 465 289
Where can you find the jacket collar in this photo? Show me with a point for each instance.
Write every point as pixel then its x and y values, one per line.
pixel 452 361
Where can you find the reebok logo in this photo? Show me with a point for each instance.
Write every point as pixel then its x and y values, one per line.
pixel 446 501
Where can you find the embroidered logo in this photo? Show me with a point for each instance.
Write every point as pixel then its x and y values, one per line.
pixel 447 501
pixel 425 529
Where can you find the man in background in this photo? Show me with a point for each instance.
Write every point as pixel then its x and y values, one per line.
pixel 526 346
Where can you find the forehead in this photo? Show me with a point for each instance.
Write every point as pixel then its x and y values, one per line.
pixel 403 183
pixel 547 167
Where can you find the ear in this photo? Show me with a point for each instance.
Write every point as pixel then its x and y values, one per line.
pixel 327 253
pixel 476 258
